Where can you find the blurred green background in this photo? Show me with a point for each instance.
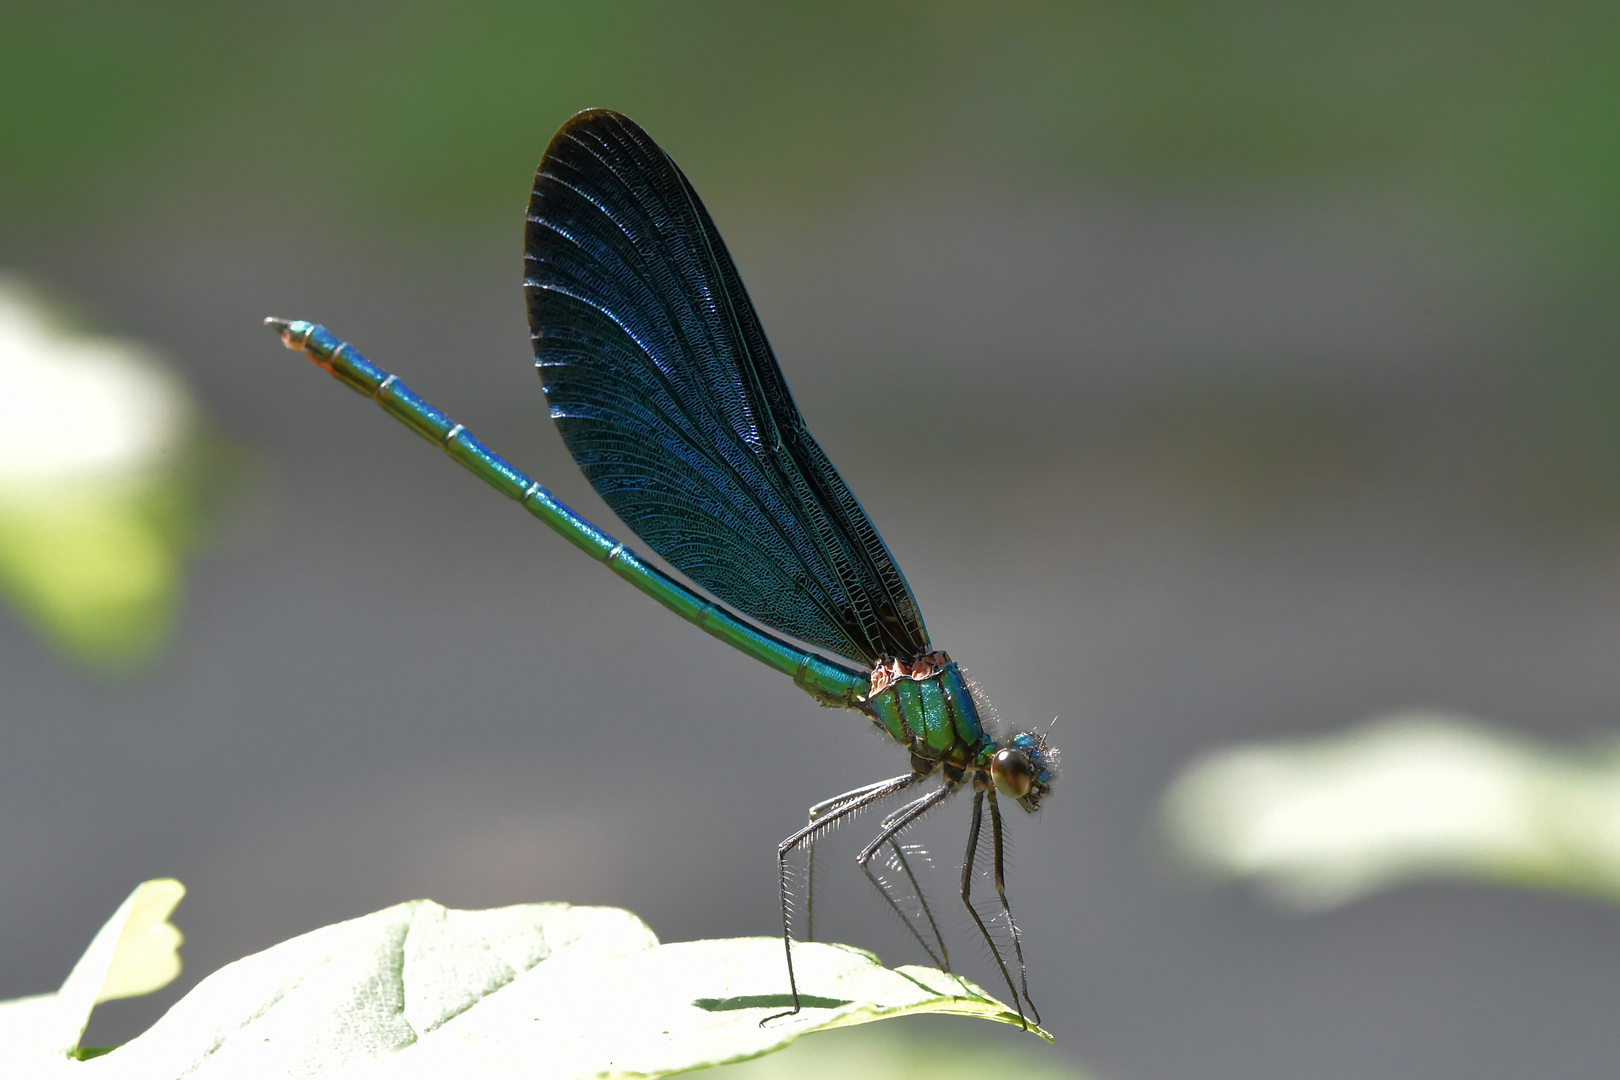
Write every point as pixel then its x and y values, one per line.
pixel 1260 359
pixel 1491 124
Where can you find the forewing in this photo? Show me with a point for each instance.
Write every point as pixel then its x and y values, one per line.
pixel 670 399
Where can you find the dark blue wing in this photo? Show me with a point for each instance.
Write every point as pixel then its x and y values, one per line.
pixel 667 394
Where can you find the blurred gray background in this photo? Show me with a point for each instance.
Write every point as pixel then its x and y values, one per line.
pixel 1213 374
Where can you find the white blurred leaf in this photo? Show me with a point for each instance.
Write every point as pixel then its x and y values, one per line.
pixel 100 469
pixel 1318 822
pixel 77 408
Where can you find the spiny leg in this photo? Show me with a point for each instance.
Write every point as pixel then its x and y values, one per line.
pixel 968 861
pixel 892 827
pixel 943 960
pixel 840 807
pixel 1001 891
pixel 817 811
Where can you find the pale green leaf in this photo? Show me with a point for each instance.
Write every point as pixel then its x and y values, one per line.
pixel 537 990
pixel 135 952
pixel 103 472
pixel 904 1052
pixel 1319 822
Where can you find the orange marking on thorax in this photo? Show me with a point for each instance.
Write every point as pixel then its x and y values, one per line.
pixel 887 672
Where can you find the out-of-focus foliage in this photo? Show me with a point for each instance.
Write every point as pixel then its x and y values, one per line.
pixel 1414 796
pixel 102 467
pixel 436 109
pixel 1492 122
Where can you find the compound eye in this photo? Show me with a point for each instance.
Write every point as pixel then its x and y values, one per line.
pixel 1012 772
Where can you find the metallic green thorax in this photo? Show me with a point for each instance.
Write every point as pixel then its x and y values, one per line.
pixel 926 706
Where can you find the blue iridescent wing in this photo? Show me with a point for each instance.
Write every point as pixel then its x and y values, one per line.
pixel 669 397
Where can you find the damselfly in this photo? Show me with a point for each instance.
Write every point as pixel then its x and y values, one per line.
pixel 669 397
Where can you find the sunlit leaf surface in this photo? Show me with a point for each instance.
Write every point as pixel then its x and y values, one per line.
pixel 134 953
pixel 536 990
pixel 903 1052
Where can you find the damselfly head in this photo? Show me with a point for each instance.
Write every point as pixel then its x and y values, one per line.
pixel 1024 769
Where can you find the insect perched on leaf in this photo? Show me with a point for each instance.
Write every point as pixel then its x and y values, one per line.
pixel 666 392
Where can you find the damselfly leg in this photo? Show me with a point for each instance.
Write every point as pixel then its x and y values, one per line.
pixel 840 807
pixel 891 829
pixel 816 813
pixel 969 863
pixel 900 861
